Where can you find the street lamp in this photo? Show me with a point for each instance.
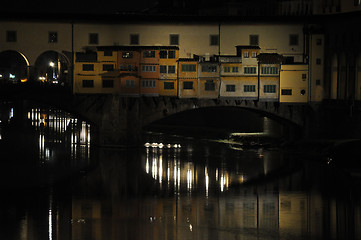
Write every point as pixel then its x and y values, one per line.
pixel 52 65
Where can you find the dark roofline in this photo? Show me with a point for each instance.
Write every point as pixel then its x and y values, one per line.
pixel 164 18
pixel 135 48
pixel 247 47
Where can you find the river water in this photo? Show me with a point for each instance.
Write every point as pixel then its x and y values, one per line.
pixel 56 185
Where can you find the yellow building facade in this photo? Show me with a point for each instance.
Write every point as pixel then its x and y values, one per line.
pixel 294 83
pixel 168 77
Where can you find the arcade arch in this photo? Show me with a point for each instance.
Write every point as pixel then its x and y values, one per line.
pixel 14 67
pixel 52 67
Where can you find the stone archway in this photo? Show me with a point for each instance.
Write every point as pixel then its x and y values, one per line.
pixel 14 67
pixel 52 67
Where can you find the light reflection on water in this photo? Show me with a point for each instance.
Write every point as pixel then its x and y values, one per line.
pixel 174 188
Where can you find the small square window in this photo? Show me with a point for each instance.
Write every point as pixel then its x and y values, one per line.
pixel 163 54
pixel 319 41
pixel 53 37
pixel 11 36
pixel 253 40
pixel 93 38
pixel 171 69
pixel 171 54
pixel 174 39
pixel 163 69
pixel 134 39
pixel 318 82
pixel 318 61
pixel 304 76
pixel 293 39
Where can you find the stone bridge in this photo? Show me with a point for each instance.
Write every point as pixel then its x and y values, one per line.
pixel 118 120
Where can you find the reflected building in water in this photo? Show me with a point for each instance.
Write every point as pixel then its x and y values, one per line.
pixel 198 201
pixel 56 127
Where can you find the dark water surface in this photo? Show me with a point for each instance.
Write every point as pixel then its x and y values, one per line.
pixel 55 185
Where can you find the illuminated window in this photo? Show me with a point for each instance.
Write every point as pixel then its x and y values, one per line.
pixel 88 83
pixel 134 39
pixel 53 37
pixel 174 39
pixel 11 36
pixel 93 38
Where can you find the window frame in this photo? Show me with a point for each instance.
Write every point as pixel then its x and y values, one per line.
pixel 173 39
pixel 52 37
pixel 87 83
pixel 11 36
pixel 93 38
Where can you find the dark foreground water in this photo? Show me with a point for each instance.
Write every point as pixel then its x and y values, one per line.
pixel 55 185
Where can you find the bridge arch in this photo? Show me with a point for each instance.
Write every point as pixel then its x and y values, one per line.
pixel 52 67
pixel 14 66
pixel 228 117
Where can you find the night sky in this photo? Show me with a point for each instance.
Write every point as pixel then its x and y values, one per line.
pixel 75 6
